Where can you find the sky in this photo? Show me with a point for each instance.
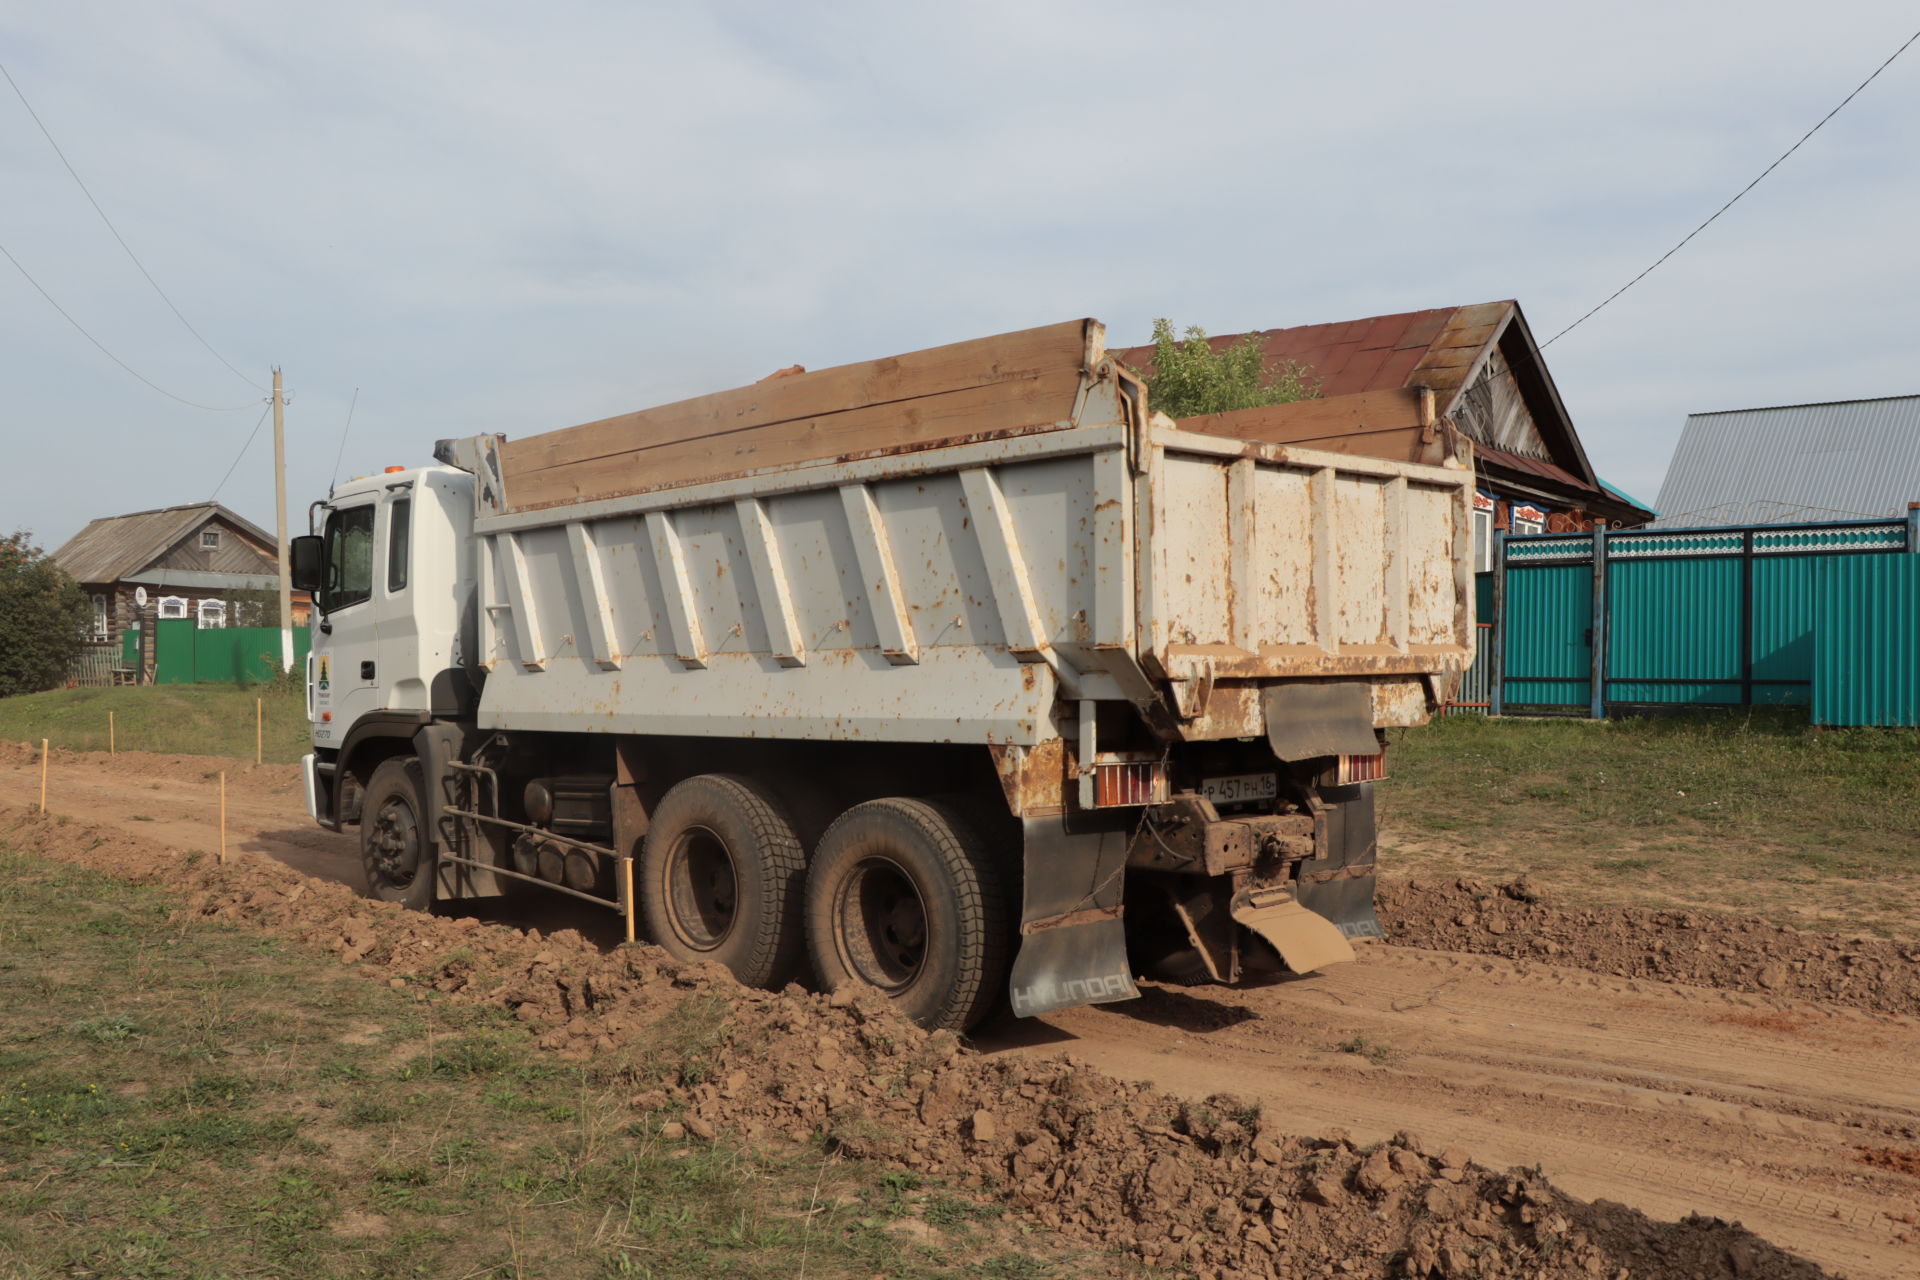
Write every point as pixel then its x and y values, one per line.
pixel 503 217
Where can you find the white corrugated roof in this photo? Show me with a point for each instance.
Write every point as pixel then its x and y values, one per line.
pixel 1798 462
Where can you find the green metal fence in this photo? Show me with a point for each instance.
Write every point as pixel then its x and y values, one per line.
pixel 187 654
pixel 1594 623
pixel 1866 641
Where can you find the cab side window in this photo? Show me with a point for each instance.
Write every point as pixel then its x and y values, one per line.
pixel 399 530
pixel 349 558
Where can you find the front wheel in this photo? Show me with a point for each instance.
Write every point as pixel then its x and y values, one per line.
pixel 902 896
pixel 396 849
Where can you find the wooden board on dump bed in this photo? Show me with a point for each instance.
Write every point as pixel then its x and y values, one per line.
pixel 991 386
pixel 1392 423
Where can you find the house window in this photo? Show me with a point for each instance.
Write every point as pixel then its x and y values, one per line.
pixel 210 538
pixel 172 607
pixel 212 615
pixel 1483 511
pixel 1528 519
pixel 99 619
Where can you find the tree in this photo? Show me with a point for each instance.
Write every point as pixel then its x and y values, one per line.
pixel 1191 377
pixel 253 607
pixel 44 617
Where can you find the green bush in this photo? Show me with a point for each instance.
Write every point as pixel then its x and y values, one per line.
pixel 1191 377
pixel 44 618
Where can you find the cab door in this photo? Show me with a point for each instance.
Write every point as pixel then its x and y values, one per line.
pixel 346 635
pixel 403 687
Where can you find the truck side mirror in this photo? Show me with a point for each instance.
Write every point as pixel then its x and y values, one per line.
pixel 306 556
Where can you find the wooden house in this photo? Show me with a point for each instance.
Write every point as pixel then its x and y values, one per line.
pixel 175 562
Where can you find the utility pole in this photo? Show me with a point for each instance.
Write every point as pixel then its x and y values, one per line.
pixel 280 518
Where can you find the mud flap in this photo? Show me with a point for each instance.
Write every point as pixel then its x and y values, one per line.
pixel 1073 941
pixel 1304 939
pixel 1339 884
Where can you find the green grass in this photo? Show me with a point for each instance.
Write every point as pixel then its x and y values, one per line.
pixel 174 719
pixel 180 1098
pixel 1757 812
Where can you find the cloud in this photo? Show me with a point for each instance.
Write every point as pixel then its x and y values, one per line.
pixel 492 217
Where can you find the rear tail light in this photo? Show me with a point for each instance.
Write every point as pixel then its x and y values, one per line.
pixel 1127 782
pixel 1361 769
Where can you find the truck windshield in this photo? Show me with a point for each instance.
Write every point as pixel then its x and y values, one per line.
pixel 349 577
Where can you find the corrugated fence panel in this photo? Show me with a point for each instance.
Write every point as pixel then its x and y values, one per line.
pixel 173 651
pixel 1549 653
pixel 222 655
pixel 1674 631
pixel 1700 617
pixel 1867 640
pixel 1783 629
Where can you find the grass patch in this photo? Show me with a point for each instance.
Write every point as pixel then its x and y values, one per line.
pixel 1742 811
pixel 173 719
pixel 189 1099
pixel 1372 1050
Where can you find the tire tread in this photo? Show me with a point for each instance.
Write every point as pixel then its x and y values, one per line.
pixel 980 903
pixel 776 951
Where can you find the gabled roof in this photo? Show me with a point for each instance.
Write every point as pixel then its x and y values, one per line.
pixel 1446 349
pixel 115 547
pixel 1797 462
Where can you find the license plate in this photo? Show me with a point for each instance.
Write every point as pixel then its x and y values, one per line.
pixel 1241 787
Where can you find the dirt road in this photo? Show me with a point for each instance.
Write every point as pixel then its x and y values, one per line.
pixel 1669 1098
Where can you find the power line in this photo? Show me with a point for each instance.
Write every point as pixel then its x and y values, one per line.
pixel 1743 191
pixel 74 174
pixel 243 453
pixel 215 408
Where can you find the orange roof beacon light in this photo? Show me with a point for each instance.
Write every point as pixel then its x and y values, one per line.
pixel 391 470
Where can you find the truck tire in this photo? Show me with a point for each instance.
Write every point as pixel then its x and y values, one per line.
pixel 396 848
pixel 903 896
pixel 722 876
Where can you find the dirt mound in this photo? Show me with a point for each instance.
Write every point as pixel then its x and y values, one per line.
pixel 1699 948
pixel 1207 1187
pixel 1899 1159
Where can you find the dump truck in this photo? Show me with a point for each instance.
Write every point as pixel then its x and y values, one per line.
pixel 962 674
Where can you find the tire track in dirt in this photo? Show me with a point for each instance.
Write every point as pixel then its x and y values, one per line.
pixel 1629 1090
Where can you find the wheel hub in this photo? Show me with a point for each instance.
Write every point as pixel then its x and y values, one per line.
pixel 395 843
pixel 703 891
pixel 884 924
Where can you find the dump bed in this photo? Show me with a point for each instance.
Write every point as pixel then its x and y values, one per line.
pixel 935 547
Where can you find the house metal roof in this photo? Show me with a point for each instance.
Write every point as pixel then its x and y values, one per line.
pixel 1445 349
pixel 113 547
pixel 1795 463
pixel 204 579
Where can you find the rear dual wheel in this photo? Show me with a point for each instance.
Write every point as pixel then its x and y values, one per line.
pixel 721 876
pixel 903 896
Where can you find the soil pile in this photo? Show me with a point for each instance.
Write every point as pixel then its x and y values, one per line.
pixel 1207 1188
pixel 1700 948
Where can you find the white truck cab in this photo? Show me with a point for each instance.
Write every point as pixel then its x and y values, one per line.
pixel 393 623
